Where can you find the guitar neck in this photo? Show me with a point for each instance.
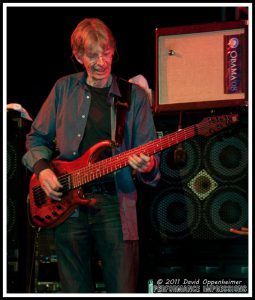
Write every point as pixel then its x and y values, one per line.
pixel 109 165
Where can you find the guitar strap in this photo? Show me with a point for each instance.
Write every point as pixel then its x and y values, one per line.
pixel 122 105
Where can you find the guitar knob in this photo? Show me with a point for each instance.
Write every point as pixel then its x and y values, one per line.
pixel 59 207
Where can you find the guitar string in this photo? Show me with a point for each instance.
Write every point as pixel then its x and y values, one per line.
pixel 79 178
pixel 90 169
pixel 163 142
pixel 76 176
pixel 96 167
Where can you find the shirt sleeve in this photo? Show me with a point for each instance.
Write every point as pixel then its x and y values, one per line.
pixel 40 139
pixel 41 165
pixel 143 132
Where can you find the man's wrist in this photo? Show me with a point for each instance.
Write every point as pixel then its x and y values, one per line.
pixel 41 165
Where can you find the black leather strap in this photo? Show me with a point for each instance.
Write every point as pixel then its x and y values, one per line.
pixel 122 104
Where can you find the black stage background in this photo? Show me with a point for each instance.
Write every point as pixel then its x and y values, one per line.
pixel 38 42
pixel 38 53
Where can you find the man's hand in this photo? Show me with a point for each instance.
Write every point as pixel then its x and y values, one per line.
pixel 142 163
pixel 50 184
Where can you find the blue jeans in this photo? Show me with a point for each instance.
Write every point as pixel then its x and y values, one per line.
pixel 100 225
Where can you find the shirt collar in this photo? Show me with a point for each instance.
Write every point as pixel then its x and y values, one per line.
pixel 114 89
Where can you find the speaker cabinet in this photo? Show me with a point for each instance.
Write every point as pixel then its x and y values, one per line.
pixel 206 195
pixel 18 234
pixel 201 66
pixel 203 192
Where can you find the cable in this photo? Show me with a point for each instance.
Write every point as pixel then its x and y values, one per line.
pixel 180 155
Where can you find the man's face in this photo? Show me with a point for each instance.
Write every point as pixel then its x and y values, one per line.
pixel 98 62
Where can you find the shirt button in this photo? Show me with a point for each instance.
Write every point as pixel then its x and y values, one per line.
pixel 87 96
pixel 74 153
pixel 79 135
pixel 83 116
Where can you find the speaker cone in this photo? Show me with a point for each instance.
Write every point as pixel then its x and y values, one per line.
pixel 172 171
pixel 226 208
pixel 226 158
pixel 175 213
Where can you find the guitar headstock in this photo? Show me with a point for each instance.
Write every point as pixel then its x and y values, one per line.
pixel 210 125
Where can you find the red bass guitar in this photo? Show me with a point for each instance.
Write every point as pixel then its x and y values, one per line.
pixel 47 213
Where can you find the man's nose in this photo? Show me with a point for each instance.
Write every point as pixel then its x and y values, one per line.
pixel 100 60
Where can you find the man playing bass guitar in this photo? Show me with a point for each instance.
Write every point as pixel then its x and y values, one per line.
pixel 79 113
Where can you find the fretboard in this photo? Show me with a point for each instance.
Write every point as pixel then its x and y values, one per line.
pixel 109 165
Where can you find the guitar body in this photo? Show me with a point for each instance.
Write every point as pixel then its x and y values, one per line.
pixel 46 212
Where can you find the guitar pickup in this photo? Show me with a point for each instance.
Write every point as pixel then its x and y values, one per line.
pixel 39 196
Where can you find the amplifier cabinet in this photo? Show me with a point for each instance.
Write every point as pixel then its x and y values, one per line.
pixel 201 66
